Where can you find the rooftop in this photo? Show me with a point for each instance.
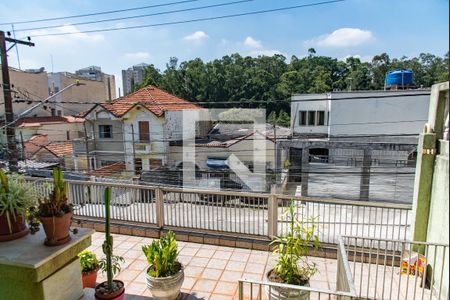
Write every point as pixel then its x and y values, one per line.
pixel 60 149
pixel 151 98
pixel 39 121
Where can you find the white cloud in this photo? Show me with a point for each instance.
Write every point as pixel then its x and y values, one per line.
pixel 342 37
pixel 196 36
pixel 364 58
pixel 75 33
pixel 137 55
pixel 265 52
pixel 252 43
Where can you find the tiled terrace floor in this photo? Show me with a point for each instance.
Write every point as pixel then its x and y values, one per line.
pixel 211 272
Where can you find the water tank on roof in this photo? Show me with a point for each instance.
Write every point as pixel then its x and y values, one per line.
pixel 400 78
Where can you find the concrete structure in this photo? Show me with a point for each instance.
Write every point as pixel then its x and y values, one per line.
pixel 90 91
pixel 136 129
pixel 368 113
pixel 31 271
pixel 431 189
pixel 131 76
pixel 28 85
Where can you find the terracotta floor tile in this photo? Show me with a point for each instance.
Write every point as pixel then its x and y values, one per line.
pixel 187 251
pixel 138 264
pixel 235 266
pixel 221 297
pixel 125 245
pixel 135 288
pixel 199 261
pixel 127 275
pixel 133 238
pixel 208 253
pixel 188 282
pixel 256 258
pixel 141 278
pixel 226 288
pixel 253 276
pixel 184 260
pixel 219 254
pixel 231 276
pixel 209 247
pixel 213 274
pixel 133 254
pixel 193 271
pixel 217 263
pixel 255 268
pixel 204 285
pixel 240 256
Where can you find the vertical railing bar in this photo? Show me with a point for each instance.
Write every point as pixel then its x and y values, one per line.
pixel 370 266
pixel 409 264
pixel 400 269
pixel 442 272
pixel 376 266
pixel 424 275
pixel 433 271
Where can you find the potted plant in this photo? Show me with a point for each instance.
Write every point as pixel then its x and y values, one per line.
pixel 165 274
pixel 89 268
pixel 55 213
pixel 110 264
pixel 292 248
pixel 16 197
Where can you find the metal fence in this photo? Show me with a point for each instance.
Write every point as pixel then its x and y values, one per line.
pixel 252 214
pixel 259 290
pixel 409 270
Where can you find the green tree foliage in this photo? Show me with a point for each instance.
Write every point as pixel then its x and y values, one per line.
pixel 270 81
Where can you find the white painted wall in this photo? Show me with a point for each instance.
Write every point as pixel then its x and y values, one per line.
pixel 300 102
pixel 400 114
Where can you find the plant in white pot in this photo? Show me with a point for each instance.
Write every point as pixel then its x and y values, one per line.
pixel 292 247
pixel 165 274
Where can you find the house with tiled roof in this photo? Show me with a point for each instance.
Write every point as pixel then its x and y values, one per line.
pixel 136 129
pixel 56 152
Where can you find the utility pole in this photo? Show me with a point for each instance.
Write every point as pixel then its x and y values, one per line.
pixel 6 85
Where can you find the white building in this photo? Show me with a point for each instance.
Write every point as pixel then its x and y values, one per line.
pixel 132 76
pixel 378 115
pixel 136 129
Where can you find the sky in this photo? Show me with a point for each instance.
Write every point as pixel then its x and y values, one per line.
pixel 360 28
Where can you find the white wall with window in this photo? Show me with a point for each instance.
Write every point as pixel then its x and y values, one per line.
pixel 309 114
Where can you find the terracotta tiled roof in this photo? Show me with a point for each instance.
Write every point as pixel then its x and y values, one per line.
pixel 155 100
pixel 60 149
pixel 38 121
pixel 109 170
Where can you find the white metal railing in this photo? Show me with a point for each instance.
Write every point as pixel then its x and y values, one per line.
pixel 387 269
pixel 258 290
pixel 234 212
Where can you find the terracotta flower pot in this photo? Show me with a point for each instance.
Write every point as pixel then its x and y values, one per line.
pixel 18 228
pixel 117 295
pixel 57 229
pixel 89 278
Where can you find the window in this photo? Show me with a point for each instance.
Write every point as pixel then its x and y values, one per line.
pixel 137 165
pixel 311 118
pixel 59 113
pixel 53 112
pixel 321 118
pixel 155 163
pixel 144 132
pixel 302 118
pixel 105 131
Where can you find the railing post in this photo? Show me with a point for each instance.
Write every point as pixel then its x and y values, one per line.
pixel 159 200
pixel 272 214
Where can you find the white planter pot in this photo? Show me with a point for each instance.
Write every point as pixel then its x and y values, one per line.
pixel 165 288
pixel 278 293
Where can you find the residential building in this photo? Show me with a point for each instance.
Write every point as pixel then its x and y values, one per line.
pixel 132 76
pixel 136 129
pixel 78 98
pixel 95 73
pixel 27 85
pixel 56 152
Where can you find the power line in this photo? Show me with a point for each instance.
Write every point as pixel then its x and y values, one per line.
pixel 139 16
pixel 100 13
pixel 194 20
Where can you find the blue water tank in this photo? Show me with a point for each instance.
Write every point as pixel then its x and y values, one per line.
pixel 400 77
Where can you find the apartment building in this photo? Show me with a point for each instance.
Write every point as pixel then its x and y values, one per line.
pixel 131 76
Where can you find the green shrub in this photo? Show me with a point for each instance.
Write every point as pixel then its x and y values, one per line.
pixel 88 261
pixel 293 246
pixel 16 196
pixel 162 256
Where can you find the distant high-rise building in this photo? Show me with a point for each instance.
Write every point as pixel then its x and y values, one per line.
pixel 131 76
pixel 92 73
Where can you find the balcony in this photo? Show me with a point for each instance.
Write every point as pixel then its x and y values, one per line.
pixel 224 241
